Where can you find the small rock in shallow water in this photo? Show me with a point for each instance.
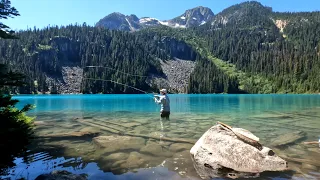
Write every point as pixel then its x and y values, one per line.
pixel 178 147
pixel 135 160
pixel 90 129
pixel 61 175
pixel 309 166
pixel 155 149
pixel 289 138
pixel 116 156
pixel 118 163
pixel 118 143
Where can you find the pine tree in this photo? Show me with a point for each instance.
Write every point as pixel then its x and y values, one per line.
pixel 16 127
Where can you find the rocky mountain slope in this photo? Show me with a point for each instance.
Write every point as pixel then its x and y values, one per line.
pixel 191 18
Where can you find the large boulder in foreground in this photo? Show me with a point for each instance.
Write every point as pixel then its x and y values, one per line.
pixel 220 153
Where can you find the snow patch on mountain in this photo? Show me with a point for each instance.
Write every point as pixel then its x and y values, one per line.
pixel 179 26
pixel 147 19
pixel 165 23
pixel 130 25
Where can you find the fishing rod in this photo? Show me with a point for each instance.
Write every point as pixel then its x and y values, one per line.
pixel 120 84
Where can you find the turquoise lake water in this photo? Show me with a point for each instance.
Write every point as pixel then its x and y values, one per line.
pixel 267 116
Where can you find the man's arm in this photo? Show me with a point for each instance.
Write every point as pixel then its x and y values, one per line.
pixel 158 101
pixel 161 100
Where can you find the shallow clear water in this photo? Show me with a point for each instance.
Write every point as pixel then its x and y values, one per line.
pixel 67 124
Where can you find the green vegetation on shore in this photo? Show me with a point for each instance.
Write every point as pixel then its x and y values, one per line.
pixel 16 127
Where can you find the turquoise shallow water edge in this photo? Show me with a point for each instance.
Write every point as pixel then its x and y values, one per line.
pixel 267 116
pixel 179 102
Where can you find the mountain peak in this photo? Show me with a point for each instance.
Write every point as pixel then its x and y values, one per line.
pixel 119 21
pixel 193 17
pixel 242 14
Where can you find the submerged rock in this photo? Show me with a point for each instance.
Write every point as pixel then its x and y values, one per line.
pixel 178 147
pixel 118 143
pixel 309 167
pixel 289 138
pixel 220 153
pixel 61 175
pixel 135 160
pixel 70 135
pixel 116 157
pixel 155 149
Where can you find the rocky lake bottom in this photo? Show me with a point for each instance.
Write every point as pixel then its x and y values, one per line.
pixel 126 144
pixel 123 137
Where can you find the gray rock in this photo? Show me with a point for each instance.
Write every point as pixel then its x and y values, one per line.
pixel 220 153
pixel 289 138
pixel 61 175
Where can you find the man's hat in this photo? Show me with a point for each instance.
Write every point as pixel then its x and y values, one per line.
pixel 163 90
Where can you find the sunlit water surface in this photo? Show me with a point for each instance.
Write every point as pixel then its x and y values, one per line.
pixel 67 125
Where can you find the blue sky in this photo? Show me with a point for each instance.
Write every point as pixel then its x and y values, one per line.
pixel 41 13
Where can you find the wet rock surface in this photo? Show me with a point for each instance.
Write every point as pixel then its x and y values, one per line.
pixel 220 153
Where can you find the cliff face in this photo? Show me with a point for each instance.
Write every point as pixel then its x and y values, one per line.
pixel 177 49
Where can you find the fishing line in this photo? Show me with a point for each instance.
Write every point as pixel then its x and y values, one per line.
pixel 117 71
pixel 105 67
pixel 120 84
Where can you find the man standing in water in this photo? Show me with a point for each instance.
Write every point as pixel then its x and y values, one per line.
pixel 164 100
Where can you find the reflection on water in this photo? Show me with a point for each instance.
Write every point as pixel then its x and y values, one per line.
pixel 123 137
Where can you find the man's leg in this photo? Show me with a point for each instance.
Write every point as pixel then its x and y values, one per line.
pixel 165 114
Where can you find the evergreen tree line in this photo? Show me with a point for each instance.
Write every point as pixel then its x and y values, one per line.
pixel 290 59
pixel 40 54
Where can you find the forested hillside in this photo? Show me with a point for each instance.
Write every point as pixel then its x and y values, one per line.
pixel 246 48
pixel 43 54
pixel 281 47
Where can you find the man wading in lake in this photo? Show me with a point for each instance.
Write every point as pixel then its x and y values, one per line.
pixel 164 100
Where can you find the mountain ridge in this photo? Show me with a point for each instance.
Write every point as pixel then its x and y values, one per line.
pixel 190 18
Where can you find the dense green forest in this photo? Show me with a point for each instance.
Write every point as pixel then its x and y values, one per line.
pixel 252 41
pixel 41 53
pixel 243 50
